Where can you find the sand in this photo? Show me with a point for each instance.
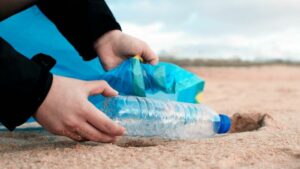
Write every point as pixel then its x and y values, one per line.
pixel 266 100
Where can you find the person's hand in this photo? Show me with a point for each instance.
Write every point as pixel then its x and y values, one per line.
pixel 66 111
pixel 115 46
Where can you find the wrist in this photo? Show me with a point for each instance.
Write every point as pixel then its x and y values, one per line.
pixel 46 92
pixel 107 38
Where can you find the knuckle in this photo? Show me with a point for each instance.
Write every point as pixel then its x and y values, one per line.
pixel 141 48
pixel 76 137
pixel 84 108
pixel 103 83
pixel 59 131
pixel 71 123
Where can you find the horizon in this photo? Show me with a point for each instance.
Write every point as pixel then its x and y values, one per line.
pixel 249 30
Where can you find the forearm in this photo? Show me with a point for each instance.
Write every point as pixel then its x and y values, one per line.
pixel 23 85
pixel 80 21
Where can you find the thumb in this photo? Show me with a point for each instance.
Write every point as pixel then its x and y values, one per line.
pixel 100 87
pixel 149 56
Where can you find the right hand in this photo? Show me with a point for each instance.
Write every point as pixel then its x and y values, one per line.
pixel 66 111
pixel 115 46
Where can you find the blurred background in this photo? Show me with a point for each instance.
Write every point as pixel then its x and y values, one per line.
pixel 248 30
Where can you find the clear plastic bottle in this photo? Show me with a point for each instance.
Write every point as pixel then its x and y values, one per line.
pixel 172 120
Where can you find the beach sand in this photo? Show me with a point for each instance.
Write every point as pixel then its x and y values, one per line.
pixel 267 100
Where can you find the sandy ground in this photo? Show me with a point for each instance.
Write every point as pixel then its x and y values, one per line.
pixel 267 98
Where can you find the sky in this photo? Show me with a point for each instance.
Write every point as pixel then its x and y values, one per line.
pixel 245 29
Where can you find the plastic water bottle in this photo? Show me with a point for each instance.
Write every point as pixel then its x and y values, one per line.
pixel 172 120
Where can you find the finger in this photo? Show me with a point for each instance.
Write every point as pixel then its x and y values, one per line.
pixel 100 87
pixel 90 133
pixel 72 135
pixel 101 122
pixel 149 56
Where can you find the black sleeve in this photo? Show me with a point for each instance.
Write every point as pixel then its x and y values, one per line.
pixel 24 84
pixel 10 7
pixel 80 21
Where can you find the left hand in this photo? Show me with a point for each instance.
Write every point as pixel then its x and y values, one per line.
pixel 67 111
pixel 115 46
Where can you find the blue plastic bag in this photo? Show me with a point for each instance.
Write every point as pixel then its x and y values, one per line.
pixel 163 81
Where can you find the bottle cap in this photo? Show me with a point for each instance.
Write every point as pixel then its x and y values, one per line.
pixel 225 124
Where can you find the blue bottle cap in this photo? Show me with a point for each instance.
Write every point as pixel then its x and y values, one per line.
pixel 225 124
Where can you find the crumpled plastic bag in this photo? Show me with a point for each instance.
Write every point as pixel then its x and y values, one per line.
pixel 163 81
